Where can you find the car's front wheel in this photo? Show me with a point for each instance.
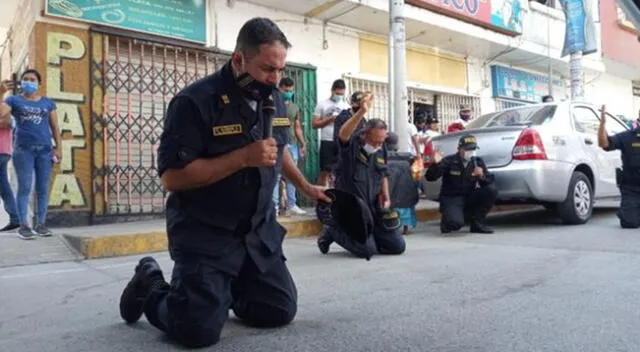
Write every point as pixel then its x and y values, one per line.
pixel 578 206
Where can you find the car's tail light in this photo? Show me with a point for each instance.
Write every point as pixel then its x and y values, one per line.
pixel 428 154
pixel 529 146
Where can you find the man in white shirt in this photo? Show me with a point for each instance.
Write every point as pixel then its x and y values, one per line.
pixel 323 119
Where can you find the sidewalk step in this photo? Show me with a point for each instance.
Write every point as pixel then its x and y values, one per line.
pixel 106 241
pixel 16 252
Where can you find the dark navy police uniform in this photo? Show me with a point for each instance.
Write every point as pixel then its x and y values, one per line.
pixel 463 198
pixel 224 238
pixel 362 175
pixel 628 143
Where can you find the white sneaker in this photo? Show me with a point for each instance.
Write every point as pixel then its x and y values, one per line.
pixel 296 210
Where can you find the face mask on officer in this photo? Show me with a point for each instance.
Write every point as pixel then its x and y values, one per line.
pixel 373 139
pixel 337 98
pixel 369 149
pixel 468 154
pixel 252 88
pixel 465 116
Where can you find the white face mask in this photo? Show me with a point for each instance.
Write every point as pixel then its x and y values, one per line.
pixel 369 149
pixel 469 154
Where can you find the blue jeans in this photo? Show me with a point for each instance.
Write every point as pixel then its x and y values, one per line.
pixel 291 189
pixel 6 192
pixel 28 160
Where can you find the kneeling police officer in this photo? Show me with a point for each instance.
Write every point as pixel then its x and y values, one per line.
pixel 628 179
pixel 466 195
pixel 219 162
pixel 362 172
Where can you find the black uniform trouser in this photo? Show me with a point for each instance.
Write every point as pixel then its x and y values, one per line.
pixel 457 210
pixel 382 241
pixel 195 307
pixel 629 211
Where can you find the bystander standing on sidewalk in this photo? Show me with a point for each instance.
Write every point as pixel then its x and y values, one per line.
pixel 6 149
pixel 297 146
pixel 34 153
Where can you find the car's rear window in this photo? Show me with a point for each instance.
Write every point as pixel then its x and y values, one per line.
pixel 523 116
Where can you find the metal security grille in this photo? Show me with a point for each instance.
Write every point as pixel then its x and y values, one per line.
pixel 503 104
pixel 448 107
pixel 380 91
pixel 380 108
pixel 138 80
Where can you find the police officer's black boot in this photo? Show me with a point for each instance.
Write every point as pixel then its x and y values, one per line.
pixel 478 227
pixel 148 274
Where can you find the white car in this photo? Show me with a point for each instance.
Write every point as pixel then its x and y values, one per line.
pixel 543 154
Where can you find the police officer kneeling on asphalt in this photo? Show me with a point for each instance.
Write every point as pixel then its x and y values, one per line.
pixel 467 194
pixel 628 179
pixel 362 172
pixel 219 162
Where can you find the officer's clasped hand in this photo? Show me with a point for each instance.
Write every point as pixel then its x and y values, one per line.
pixel 261 153
pixel 477 171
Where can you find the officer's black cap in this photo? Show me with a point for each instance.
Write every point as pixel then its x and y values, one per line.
pixel 468 142
pixel 348 212
pixel 356 97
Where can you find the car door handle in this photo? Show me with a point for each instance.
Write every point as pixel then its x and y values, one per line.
pixel 588 141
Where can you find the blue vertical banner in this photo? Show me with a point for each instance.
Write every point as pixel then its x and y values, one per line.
pixel 580 33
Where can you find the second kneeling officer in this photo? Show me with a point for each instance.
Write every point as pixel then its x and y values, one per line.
pixel 467 194
pixel 362 172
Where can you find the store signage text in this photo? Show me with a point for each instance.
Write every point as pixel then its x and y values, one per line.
pixel 505 18
pixel 509 83
pixel 66 187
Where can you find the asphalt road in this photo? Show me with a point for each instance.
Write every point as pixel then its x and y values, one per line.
pixel 533 286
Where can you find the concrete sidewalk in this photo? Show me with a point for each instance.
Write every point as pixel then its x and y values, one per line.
pixel 103 241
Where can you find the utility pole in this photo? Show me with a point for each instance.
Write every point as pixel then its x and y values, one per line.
pixel 391 84
pixel 549 56
pixel 400 107
pixel 576 73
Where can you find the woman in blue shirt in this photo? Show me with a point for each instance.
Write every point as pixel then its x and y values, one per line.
pixel 34 152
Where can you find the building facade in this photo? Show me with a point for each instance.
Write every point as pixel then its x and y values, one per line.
pixel 112 69
pixel 620 52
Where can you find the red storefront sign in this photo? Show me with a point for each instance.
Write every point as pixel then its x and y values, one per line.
pixel 619 37
pixel 506 18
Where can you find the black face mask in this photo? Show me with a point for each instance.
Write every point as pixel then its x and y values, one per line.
pixel 253 89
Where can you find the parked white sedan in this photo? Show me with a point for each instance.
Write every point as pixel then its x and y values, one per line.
pixel 543 154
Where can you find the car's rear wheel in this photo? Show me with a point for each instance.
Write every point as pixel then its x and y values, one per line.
pixel 578 207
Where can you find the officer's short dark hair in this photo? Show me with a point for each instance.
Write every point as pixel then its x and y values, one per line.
pixel 338 84
pixel 286 82
pixel 547 98
pixel 374 124
pixel 259 31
